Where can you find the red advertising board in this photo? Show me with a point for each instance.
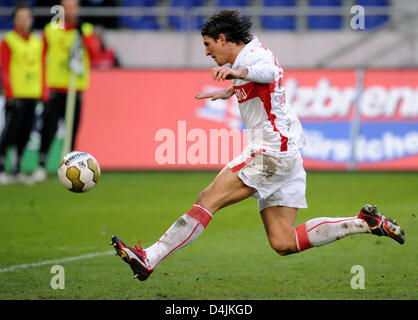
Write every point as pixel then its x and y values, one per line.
pixel 149 119
pixel 127 115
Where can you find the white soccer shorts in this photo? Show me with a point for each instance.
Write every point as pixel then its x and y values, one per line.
pixel 278 177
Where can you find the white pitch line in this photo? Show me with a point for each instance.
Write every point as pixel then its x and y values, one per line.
pixel 56 261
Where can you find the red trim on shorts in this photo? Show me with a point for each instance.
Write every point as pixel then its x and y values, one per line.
pixel 200 214
pixel 302 240
pixel 248 160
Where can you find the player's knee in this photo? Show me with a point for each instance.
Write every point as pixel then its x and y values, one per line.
pixel 203 196
pixel 282 247
pixel 207 200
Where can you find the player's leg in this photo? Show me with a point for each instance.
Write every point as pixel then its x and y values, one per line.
pixel 226 189
pixel 278 212
pixel 320 231
pixel 279 222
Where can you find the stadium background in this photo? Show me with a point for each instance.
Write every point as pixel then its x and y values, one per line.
pixel 332 71
pixel 349 87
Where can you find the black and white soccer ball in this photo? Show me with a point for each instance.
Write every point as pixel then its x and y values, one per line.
pixel 79 171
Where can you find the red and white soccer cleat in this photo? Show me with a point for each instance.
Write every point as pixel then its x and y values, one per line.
pixel 134 256
pixel 380 225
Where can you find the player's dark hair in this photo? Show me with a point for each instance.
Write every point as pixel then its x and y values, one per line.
pixel 235 27
pixel 21 5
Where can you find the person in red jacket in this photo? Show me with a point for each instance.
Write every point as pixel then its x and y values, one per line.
pixel 106 58
pixel 23 81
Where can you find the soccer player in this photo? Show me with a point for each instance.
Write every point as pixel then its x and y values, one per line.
pixel 57 48
pixel 270 168
pixel 22 79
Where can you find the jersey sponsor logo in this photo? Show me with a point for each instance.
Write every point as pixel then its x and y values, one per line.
pixel 246 92
pixel 240 94
pixel 251 90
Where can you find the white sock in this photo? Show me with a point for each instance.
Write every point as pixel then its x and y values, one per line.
pixel 320 231
pixel 183 232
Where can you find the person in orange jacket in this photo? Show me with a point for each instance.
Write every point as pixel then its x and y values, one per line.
pixel 23 81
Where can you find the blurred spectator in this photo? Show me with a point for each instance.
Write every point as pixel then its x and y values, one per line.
pixel 58 44
pixel 22 76
pixel 106 58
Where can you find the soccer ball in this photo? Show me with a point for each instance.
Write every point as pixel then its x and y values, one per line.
pixel 78 171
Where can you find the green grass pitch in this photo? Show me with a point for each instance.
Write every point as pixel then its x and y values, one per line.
pixel 231 259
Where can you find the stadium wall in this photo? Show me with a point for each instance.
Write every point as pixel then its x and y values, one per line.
pixel 294 50
pixel 149 120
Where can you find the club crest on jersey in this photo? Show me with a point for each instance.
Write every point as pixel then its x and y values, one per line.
pixel 240 94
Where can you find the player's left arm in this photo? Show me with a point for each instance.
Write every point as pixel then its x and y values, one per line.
pixel 259 68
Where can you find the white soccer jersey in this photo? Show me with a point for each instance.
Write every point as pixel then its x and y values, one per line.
pixel 262 100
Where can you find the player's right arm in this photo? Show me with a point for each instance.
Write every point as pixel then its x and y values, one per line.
pixel 219 94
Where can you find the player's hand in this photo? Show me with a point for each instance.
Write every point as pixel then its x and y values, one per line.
pixel 222 73
pixel 225 73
